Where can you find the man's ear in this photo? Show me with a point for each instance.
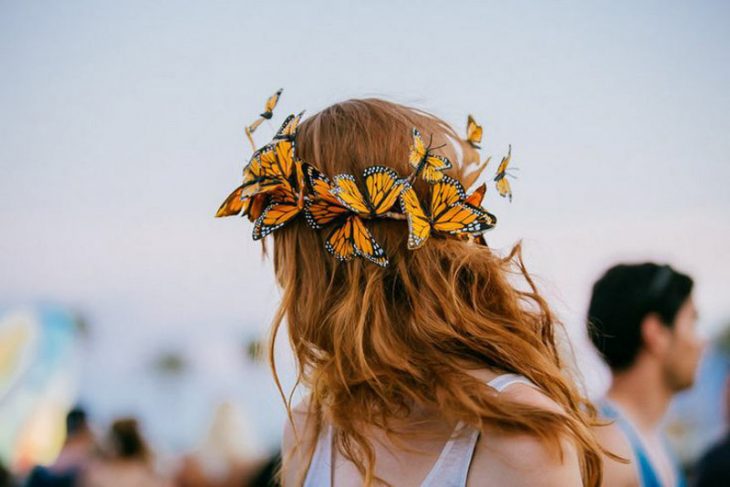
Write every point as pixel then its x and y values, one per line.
pixel 656 336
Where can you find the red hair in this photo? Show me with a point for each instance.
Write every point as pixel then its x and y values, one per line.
pixel 371 342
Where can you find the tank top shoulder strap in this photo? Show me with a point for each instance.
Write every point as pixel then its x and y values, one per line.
pixel 320 468
pixel 644 468
pixel 452 466
pixel 502 382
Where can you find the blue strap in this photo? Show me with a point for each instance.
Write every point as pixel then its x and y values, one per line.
pixel 647 474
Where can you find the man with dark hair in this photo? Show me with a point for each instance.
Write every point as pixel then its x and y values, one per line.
pixel 75 454
pixel 642 319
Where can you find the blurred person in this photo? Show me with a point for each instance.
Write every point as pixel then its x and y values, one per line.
pixel 127 460
pixel 6 478
pixel 428 366
pixel 229 456
pixel 642 319
pixel 267 474
pixel 77 451
pixel 713 468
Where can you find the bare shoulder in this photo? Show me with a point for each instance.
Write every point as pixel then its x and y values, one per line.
pixel 523 459
pixel 298 440
pixel 615 472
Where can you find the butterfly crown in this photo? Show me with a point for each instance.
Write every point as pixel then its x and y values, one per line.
pixel 278 186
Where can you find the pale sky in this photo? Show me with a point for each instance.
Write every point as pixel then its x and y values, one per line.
pixel 122 131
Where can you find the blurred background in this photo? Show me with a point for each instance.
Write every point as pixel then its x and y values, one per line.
pixel 122 131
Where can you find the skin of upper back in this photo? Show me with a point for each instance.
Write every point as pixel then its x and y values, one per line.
pixel 499 459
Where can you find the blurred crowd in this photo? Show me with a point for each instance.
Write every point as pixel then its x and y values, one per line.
pixel 122 457
pixel 641 319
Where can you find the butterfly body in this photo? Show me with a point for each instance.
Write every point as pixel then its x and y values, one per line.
pixel 383 186
pixel 502 183
pixel 428 165
pixel 270 105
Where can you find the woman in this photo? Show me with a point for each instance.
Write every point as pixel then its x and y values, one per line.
pixel 432 368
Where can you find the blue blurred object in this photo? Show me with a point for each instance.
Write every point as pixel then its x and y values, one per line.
pixel 38 382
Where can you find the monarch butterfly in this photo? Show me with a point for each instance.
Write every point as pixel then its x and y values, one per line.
pixel 383 188
pixel 271 104
pixel 503 186
pixel 266 115
pixel 268 167
pixel 473 132
pixel 475 199
pixel 322 206
pixel 429 165
pixel 449 213
pixel 352 238
pixel 236 204
pixel 281 150
pixel 343 202
pixel 288 129
pixel 286 202
pixel 271 191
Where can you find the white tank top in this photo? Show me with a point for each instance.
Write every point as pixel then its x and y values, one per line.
pixel 451 467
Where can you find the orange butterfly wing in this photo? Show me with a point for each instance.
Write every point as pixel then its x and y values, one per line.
pixel 477 196
pixel 285 204
pixel 365 244
pixel 346 191
pixel 462 218
pixel 322 207
pixel 473 132
pixel 275 216
pixel 352 238
pixel 339 242
pixel 444 194
pixel 288 129
pixel 254 207
pixel 450 213
pixel 232 205
pixel 383 188
pixel 271 104
pixel 419 225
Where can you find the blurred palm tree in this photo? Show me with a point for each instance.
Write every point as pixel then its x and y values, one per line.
pixel 170 363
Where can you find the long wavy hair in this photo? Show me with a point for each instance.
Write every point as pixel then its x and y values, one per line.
pixel 372 343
